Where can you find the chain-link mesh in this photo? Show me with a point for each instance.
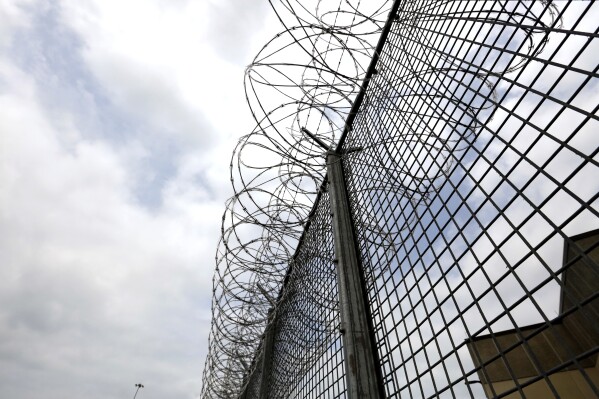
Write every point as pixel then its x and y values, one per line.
pixel 472 173
pixel 307 359
pixel 479 141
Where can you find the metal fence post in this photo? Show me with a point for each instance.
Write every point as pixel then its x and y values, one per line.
pixel 359 352
pixel 269 341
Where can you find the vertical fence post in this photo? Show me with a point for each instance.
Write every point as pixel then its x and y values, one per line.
pixel 360 362
pixel 269 341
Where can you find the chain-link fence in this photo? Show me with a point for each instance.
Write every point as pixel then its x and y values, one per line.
pixel 472 175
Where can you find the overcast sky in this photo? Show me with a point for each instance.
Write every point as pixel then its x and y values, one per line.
pixel 117 120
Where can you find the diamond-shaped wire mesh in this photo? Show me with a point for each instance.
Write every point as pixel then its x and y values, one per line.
pixel 472 171
pixel 479 142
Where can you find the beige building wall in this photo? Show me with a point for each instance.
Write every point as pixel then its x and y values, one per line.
pixel 568 385
pixel 510 358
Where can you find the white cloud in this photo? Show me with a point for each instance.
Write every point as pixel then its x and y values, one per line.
pixel 88 277
pixel 11 17
pixel 98 291
pixel 160 66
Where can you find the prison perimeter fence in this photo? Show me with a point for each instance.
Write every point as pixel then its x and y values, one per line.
pixel 416 214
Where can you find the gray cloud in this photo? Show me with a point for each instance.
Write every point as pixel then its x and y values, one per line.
pixel 98 291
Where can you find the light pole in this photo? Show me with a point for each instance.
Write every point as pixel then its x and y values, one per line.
pixel 138 386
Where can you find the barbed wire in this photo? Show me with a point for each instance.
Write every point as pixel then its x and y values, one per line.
pixel 301 87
